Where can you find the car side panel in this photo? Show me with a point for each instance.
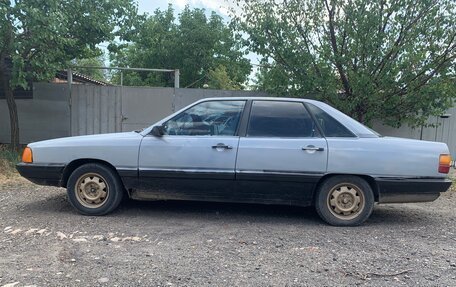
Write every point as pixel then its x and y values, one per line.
pixel 187 167
pixel 385 157
pixel 51 157
pixel 403 170
pixel 120 150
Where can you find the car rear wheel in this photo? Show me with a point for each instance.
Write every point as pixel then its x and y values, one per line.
pixel 344 200
pixel 94 189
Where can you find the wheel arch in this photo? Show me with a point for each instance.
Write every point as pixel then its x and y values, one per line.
pixel 369 179
pixel 72 166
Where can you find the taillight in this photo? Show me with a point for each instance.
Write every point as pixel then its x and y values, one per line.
pixel 444 163
pixel 27 155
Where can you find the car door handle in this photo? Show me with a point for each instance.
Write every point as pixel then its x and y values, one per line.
pixel 311 147
pixel 222 146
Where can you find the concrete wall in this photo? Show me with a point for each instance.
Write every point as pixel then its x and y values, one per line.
pixel 45 116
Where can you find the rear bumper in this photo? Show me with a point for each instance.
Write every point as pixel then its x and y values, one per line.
pixel 42 174
pixel 402 190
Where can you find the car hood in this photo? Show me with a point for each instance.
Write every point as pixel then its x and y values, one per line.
pixel 118 149
pixel 99 139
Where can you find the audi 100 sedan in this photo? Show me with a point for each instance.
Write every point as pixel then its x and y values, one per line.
pixel 250 150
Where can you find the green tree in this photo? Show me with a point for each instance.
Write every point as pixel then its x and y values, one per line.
pixel 96 74
pixel 194 43
pixel 218 78
pixel 39 37
pixel 389 59
pixel 273 79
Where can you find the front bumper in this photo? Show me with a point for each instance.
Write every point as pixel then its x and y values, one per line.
pixel 42 174
pixel 403 190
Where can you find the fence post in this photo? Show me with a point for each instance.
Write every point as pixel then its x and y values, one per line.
pixel 70 101
pixel 176 78
pixel 176 86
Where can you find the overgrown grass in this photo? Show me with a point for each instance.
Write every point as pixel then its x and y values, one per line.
pixel 8 160
pixel 453 179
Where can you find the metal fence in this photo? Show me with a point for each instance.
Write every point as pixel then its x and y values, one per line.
pixel 45 116
pixel 56 111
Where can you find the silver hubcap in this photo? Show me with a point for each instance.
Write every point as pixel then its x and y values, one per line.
pixel 346 201
pixel 92 190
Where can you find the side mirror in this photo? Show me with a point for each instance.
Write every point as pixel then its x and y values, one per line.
pixel 157 131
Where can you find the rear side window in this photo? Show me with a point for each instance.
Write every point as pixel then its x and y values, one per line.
pixel 280 119
pixel 330 126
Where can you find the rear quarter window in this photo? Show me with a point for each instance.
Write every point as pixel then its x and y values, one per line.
pixel 330 126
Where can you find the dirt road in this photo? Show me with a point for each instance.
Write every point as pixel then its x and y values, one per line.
pixel 44 242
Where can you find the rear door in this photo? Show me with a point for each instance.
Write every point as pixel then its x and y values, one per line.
pixel 282 155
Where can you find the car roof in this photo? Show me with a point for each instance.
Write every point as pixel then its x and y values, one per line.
pixel 254 98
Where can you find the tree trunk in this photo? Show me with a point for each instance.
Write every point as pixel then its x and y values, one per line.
pixel 14 121
pixel 360 114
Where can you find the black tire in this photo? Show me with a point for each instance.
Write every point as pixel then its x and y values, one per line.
pixel 94 189
pixel 344 200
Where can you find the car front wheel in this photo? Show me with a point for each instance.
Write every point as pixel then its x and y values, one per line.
pixel 344 200
pixel 94 189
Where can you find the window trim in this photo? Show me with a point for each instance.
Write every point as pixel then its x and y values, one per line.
pixel 314 119
pixel 321 135
pixel 245 119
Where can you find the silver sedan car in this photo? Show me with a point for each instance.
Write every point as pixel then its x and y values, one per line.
pixel 251 150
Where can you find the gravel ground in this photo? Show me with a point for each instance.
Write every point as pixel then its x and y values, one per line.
pixel 44 242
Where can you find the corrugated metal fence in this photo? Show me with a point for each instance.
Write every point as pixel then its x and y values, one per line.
pixel 45 116
pixel 99 109
pixel 95 109
pixel 55 111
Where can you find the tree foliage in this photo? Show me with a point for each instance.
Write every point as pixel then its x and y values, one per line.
pixel 193 42
pixel 392 60
pixel 41 36
pixel 218 78
pixel 96 74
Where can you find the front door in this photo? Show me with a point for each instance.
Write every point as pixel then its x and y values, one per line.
pixel 196 156
pixel 282 155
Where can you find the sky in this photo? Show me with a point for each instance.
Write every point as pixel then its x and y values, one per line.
pixel 219 6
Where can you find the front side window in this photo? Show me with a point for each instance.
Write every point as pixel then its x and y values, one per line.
pixel 217 118
pixel 329 126
pixel 280 119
